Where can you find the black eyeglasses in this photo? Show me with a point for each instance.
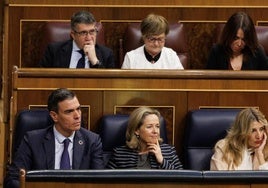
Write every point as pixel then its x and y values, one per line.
pixel 154 39
pixel 85 33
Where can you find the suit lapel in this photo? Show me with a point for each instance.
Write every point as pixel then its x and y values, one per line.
pixel 49 145
pixel 78 149
pixel 66 53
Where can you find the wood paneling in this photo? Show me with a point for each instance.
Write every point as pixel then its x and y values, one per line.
pixel 116 3
pixel 104 90
pixel 199 18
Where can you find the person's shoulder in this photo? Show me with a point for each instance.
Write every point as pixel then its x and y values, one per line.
pixel 220 144
pixel 138 50
pixel 39 131
pixel 217 47
pixel 87 132
pixel 166 146
pixel 103 48
pixel 37 134
pixel 168 50
pixel 123 148
pixel 260 50
pixel 60 43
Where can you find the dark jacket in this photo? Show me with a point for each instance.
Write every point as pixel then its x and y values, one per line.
pixel 58 55
pixel 37 152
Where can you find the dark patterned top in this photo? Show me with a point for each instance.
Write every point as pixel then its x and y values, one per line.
pixel 124 157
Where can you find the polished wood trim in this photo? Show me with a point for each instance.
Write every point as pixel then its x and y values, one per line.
pixel 5 62
pixel 147 3
pixel 171 80
pixel 262 22
pixel 121 73
pixel 130 178
pixel 203 21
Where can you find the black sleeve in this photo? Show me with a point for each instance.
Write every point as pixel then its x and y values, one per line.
pixel 212 58
pixel 262 59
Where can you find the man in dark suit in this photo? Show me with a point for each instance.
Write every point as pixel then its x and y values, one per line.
pixel 82 46
pixel 45 148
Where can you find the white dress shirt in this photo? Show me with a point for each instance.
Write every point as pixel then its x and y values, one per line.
pixel 59 146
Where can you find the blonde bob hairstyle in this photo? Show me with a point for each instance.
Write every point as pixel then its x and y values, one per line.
pixel 135 121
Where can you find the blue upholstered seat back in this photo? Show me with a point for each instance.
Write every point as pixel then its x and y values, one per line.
pixel 203 129
pixel 28 120
pixel 112 128
pixel 113 132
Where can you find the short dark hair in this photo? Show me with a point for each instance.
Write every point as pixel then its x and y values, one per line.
pixel 84 17
pixel 57 96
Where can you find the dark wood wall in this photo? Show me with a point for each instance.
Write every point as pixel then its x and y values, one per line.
pixel 198 16
pixel 174 93
pixel 1 42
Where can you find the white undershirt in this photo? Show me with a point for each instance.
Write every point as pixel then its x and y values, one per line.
pixel 247 162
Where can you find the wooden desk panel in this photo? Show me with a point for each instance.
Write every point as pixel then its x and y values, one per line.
pixel 130 178
pixel 110 91
pixel 116 91
pixel 198 17
pixel 134 185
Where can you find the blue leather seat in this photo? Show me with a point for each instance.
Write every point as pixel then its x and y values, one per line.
pixel 203 129
pixel 112 131
pixel 28 120
pixel 112 128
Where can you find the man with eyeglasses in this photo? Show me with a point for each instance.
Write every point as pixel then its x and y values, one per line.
pixel 81 51
pixel 153 54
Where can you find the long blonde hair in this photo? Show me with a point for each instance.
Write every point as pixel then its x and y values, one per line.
pixel 237 137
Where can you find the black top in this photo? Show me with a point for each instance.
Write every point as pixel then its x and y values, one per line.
pixel 218 60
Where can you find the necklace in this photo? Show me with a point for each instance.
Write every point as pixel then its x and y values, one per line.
pixel 236 62
pixel 143 161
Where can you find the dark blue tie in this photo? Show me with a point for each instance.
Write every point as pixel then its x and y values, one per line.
pixel 65 159
pixel 81 61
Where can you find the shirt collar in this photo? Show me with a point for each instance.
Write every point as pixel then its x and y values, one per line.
pixel 150 58
pixel 75 47
pixel 60 138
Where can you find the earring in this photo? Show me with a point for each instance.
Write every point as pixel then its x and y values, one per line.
pixel 137 136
